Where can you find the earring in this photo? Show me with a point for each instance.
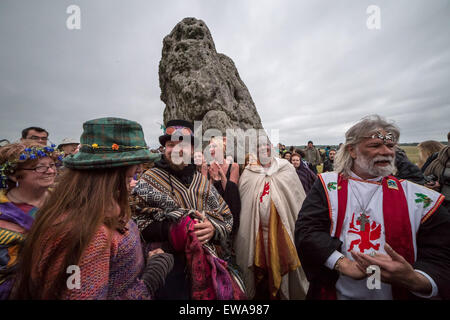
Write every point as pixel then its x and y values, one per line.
pixel 17 183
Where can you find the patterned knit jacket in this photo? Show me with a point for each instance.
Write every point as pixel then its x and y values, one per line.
pixel 109 269
pixel 21 217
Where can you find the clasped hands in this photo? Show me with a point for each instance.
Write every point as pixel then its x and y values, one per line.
pixel 394 270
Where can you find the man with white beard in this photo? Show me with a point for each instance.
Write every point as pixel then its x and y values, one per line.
pixel 361 216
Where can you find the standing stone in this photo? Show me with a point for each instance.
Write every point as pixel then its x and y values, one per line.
pixel 197 83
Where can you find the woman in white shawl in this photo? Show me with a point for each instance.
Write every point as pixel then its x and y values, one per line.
pixel 271 197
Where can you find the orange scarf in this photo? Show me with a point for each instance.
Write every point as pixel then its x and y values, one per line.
pixel 282 255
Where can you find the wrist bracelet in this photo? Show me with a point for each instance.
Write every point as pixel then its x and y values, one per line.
pixel 336 265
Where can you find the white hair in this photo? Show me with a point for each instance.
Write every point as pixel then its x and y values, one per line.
pixel 343 161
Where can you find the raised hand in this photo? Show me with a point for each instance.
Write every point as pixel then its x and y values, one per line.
pixel 214 171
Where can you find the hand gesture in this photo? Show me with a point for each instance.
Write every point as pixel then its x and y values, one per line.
pixel 433 185
pixel 214 171
pixel 351 269
pixel 395 270
pixel 204 168
pixel 204 230
pixel 155 252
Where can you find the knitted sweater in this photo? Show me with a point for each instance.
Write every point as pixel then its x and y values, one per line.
pixel 108 269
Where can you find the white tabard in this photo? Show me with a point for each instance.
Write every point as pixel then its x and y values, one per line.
pixel 368 194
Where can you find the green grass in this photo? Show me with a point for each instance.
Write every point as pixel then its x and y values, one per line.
pixel 412 152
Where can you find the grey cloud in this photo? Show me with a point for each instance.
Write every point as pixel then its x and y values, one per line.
pixel 312 67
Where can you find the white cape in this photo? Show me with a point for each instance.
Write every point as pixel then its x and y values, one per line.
pixel 287 194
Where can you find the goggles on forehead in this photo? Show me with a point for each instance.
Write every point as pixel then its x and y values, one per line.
pixel 183 130
pixel 389 136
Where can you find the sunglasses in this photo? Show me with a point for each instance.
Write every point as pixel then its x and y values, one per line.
pixel 183 130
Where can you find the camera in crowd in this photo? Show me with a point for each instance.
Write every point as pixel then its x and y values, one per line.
pixel 430 178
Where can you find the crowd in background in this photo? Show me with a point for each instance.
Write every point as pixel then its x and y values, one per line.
pixel 89 202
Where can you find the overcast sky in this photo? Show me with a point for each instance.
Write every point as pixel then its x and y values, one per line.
pixel 313 68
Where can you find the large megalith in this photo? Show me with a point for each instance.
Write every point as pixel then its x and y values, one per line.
pixel 197 83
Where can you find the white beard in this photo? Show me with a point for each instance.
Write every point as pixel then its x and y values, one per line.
pixel 368 165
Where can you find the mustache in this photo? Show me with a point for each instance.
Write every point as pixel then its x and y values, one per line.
pixel 383 158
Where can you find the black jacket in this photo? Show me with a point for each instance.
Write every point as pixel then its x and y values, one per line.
pixel 314 245
pixel 406 169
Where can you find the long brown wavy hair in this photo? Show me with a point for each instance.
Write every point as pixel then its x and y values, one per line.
pixel 64 227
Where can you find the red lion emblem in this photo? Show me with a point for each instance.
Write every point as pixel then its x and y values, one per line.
pixel 366 231
pixel 265 191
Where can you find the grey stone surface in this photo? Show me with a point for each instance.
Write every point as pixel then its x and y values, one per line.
pixel 197 83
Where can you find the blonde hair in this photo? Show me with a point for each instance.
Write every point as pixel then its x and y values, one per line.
pixel 219 141
pixel 427 148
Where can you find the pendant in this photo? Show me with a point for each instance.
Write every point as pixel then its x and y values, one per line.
pixel 363 220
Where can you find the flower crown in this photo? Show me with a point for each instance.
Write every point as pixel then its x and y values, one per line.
pixel 9 167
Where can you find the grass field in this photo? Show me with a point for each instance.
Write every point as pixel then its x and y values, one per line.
pixel 411 151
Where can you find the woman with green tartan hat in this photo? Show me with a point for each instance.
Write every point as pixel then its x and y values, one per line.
pixel 110 143
pixel 83 244
pixel 27 171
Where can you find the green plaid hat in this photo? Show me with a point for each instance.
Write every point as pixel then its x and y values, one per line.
pixel 109 143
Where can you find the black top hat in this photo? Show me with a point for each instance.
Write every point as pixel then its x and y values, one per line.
pixel 179 124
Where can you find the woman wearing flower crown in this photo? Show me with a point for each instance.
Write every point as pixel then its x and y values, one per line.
pixel 27 170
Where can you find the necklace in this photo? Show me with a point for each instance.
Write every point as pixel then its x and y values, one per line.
pixel 363 217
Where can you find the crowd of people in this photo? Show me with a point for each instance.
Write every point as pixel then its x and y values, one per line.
pixel 104 217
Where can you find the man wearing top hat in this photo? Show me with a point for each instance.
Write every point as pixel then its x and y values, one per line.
pixel 177 209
